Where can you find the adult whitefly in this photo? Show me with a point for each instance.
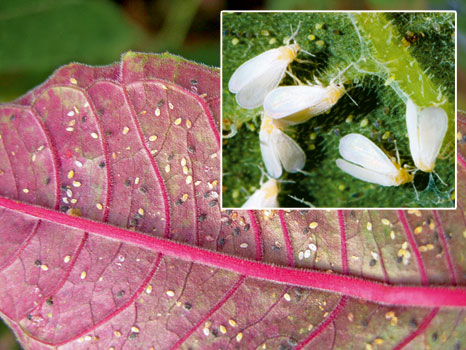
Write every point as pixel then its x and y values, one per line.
pixel 365 161
pixel 426 131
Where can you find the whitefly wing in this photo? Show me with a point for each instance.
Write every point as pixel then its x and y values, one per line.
pixel 360 150
pixel 433 124
pixel 252 94
pixel 265 197
pixel 255 201
pixel 413 131
pixel 252 69
pixel 269 156
pixel 287 100
pixel 365 174
pixel 290 154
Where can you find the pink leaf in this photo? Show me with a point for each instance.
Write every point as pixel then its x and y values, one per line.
pixel 112 236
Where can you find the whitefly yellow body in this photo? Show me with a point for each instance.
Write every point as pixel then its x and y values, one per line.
pixel 278 149
pixel 255 78
pixel 426 130
pixel 265 197
pixel 364 160
pixel 297 104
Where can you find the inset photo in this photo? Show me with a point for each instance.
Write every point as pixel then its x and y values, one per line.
pixel 338 110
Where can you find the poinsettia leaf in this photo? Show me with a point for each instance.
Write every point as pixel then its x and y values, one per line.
pixel 112 236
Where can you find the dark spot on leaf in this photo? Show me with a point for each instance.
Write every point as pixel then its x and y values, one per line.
pixel 100 111
pixel 63 187
pixel 29 317
pixel 84 118
pixel 37 262
pixel 137 216
pixel 49 301
pixel 439 250
pixel 133 335
pixel 171 156
pixel 206 194
pixel 306 230
pixel 12 117
pixel 102 165
pixel 336 132
pixel 372 262
pixel 187 306
pixel 120 294
pixel 108 133
pixel 236 231
pixel 228 223
pixel 193 82
pixel 457 345
pixel 221 242
pixel 213 203
pixel 160 103
pixel 133 222
pixel 435 237
pixel 178 202
pixel 434 336
pixel 275 247
pixel 143 189
pixel 64 208
pixel 47 181
pixel 127 182
pixel 202 217
pixel 448 235
pixel 364 323
pixel 214 332
pixel 247 227
pixel 399 259
pixel 292 341
pixel 191 149
pixel 229 211
pixel 413 323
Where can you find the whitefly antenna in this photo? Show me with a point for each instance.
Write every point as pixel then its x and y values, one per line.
pixel 293 37
pixel 435 173
pixel 307 52
pixel 338 78
pixel 352 99
pixel 263 174
pixel 293 34
pixel 343 71
pixel 302 201
pixel 415 190
pixel 397 153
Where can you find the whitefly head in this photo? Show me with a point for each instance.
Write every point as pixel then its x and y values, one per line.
pixel 334 92
pixel 289 52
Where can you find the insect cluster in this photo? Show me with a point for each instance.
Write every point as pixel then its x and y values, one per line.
pixel 255 84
